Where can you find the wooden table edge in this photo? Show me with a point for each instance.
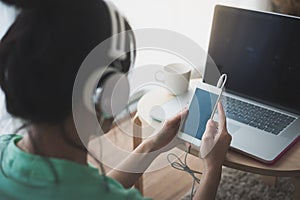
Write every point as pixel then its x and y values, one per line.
pixel 267 171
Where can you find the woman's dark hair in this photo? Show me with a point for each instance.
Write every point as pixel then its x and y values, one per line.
pixel 42 52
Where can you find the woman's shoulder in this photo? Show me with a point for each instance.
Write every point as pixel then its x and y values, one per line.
pixel 5 139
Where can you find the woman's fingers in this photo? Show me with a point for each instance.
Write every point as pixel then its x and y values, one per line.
pixel 222 117
pixel 165 138
pixel 175 121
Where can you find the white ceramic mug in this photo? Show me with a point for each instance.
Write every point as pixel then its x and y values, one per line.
pixel 176 77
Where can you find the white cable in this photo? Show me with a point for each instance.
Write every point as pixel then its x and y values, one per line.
pixel 221 83
pixel 182 166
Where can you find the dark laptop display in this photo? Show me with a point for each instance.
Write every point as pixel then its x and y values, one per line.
pixel 260 53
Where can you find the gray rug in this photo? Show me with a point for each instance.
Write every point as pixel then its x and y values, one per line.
pixel 238 185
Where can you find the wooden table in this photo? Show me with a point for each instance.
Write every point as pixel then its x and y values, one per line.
pixel 287 166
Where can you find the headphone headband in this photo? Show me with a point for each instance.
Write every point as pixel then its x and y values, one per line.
pixel 117 49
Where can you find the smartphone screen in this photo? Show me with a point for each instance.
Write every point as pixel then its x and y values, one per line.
pixel 200 110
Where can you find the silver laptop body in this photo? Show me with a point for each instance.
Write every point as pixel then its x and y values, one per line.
pixel 259 52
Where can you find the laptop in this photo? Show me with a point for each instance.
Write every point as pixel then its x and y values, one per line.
pixel 260 53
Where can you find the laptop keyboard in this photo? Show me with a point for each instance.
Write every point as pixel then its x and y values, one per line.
pixel 255 116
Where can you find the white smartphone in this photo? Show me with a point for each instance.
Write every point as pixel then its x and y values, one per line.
pixel 202 107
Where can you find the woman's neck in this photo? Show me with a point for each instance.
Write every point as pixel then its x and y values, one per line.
pixel 56 141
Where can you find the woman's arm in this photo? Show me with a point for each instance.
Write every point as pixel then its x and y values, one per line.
pixel 209 185
pixel 128 172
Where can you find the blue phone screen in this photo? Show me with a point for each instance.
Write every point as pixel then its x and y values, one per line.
pixel 200 110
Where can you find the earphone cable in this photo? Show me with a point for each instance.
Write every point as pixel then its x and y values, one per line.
pixel 182 166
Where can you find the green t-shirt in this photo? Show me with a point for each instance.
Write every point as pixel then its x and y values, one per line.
pixel 27 176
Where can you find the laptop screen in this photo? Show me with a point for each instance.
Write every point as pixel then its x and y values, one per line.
pixel 260 53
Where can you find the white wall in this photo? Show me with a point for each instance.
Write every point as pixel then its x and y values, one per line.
pixel 189 17
pixel 7 16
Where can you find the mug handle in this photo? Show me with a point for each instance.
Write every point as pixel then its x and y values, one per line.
pixel 159 76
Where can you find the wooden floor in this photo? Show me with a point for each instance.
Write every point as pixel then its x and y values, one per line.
pixel 165 183
pixel 169 183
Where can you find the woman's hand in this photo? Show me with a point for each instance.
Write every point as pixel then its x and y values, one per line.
pixel 165 139
pixel 215 141
pixel 140 159
pixel 214 146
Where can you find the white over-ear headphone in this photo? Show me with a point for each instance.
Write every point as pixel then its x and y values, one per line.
pixel 112 87
pixel 117 50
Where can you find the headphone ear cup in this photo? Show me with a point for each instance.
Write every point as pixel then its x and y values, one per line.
pixel 124 64
pixel 115 94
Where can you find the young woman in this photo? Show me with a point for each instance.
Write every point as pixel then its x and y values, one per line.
pixel 40 56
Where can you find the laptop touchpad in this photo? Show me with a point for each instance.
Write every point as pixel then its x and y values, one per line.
pixel 232 128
